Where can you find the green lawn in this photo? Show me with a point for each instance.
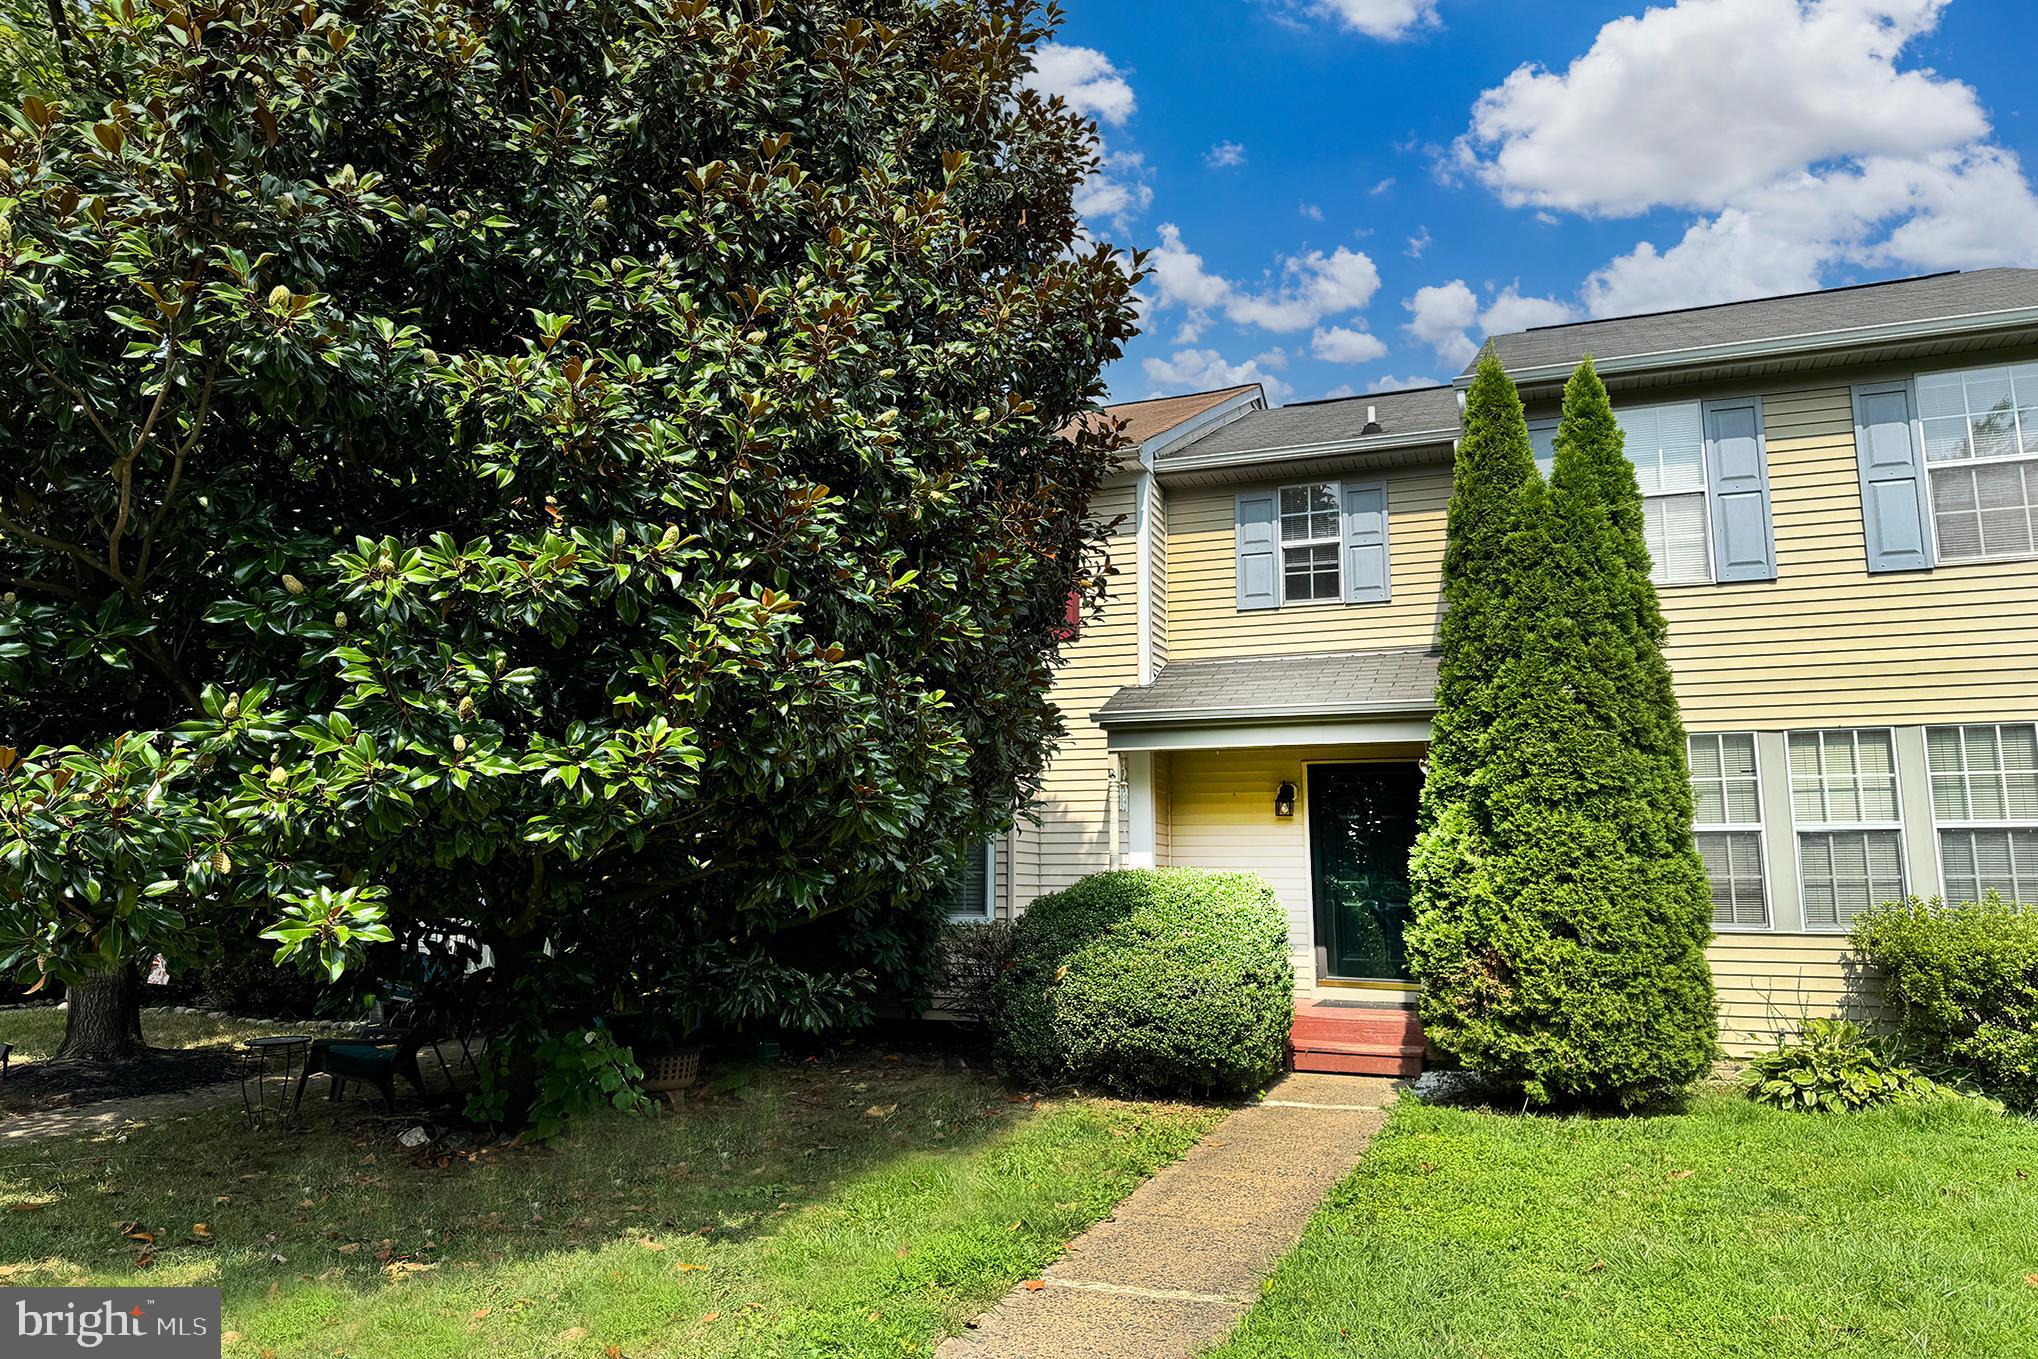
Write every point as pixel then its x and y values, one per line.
pixel 36 1032
pixel 861 1209
pixel 1728 1231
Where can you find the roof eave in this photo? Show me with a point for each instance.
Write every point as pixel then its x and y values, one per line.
pixel 1377 443
pixel 1196 717
pixel 1782 346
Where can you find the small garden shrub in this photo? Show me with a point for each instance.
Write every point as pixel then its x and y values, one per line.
pixel 975 956
pixel 1963 981
pixel 1159 981
pixel 1835 1068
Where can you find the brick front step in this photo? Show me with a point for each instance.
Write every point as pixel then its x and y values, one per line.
pixel 1356 1040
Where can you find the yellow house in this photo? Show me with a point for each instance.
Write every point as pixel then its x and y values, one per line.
pixel 1841 498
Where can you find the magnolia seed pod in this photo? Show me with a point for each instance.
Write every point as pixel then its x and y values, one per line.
pixel 340 620
pixel 671 538
pixel 292 584
pixel 220 863
pixel 466 707
pixel 459 744
pixel 232 708
pixel 279 776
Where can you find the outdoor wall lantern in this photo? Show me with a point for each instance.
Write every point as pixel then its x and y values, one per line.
pixel 1284 800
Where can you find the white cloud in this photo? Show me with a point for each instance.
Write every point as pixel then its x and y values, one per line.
pixel 1201 370
pixel 1697 103
pixel 1787 127
pixel 1417 243
pixel 1309 288
pixel 1382 187
pixel 1339 392
pixel 1440 314
pixel 1340 344
pixel 1086 79
pixel 1116 191
pixel 1312 286
pixel 1510 311
pixel 1386 19
pixel 1224 156
pixel 1311 211
pixel 1443 316
pixel 1179 273
pixel 1192 327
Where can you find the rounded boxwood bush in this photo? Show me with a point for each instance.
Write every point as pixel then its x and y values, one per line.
pixel 1156 981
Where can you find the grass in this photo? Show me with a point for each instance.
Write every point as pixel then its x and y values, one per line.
pixel 35 1032
pixel 865 1208
pixel 1732 1230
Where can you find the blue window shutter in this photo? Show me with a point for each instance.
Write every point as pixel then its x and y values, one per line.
pixel 1259 552
pixel 1737 484
pixel 1892 478
pixel 1365 551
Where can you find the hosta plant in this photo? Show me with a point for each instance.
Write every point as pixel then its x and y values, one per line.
pixel 1835 1067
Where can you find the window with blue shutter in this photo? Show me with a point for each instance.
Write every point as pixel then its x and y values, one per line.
pixel 1259 577
pixel 1365 542
pixel 1737 482
pixel 1892 478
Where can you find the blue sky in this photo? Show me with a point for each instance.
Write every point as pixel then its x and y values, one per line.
pixel 1343 195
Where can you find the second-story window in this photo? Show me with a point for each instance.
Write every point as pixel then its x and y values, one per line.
pixel 1667 446
pixel 1701 467
pixel 1310 537
pixel 1981 445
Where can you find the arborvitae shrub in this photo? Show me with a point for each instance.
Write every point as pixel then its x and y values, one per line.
pixel 1158 981
pixel 1562 910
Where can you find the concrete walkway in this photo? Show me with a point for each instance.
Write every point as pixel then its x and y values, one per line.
pixel 1182 1259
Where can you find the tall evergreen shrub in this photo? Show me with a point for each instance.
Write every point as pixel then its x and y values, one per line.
pixel 1562 908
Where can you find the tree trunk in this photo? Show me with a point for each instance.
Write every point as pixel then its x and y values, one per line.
pixel 104 1022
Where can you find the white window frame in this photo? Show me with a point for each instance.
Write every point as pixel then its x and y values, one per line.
pixel 1927 467
pixel 1704 492
pixel 1754 827
pixel 990 910
pixel 1800 829
pixel 1336 543
pixel 1969 823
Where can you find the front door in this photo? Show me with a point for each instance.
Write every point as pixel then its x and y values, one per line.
pixel 1361 827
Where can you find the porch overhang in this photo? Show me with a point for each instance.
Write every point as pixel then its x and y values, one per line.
pixel 1336 698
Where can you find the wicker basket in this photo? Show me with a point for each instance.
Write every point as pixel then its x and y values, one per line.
pixel 669 1071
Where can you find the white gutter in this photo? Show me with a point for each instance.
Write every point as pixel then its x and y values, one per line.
pixel 1142 554
pixel 1175 717
pixel 1377 443
pixel 1782 345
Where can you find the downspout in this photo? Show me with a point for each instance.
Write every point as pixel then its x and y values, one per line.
pixel 1012 872
pixel 1113 781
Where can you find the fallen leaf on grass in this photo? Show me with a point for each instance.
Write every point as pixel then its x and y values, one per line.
pixel 881 1111
pixel 399 1270
pixel 1035 1285
pixel 1682 1174
pixel 2031 1279
pixel 200 1232
pixel 685 1266
pixel 648 1244
pixel 572 1333
pixel 26 1207
pixel 231 1338
pixel 349 1247
pixel 479 1313
pixel 709 1317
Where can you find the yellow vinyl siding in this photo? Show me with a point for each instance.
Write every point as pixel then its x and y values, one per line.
pixel 1157 560
pixel 1824 644
pixel 1203 616
pixel 1770 984
pixel 1071 838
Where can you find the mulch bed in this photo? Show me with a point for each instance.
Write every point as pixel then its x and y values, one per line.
pixel 165 1071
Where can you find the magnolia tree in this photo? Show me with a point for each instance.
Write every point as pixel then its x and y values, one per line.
pixel 580 479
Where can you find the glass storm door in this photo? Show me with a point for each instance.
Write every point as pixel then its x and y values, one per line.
pixel 1361 827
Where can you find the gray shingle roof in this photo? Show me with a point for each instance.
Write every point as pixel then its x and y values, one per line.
pixel 1933 297
pixel 1400 413
pixel 1349 682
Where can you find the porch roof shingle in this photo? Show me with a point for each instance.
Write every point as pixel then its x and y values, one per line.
pixel 1354 683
